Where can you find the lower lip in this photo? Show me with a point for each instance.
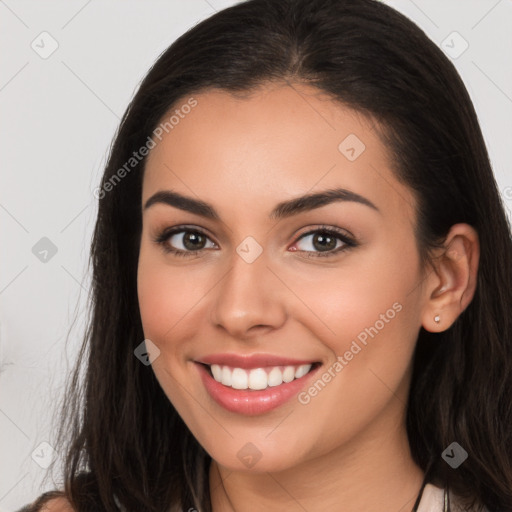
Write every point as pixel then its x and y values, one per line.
pixel 250 402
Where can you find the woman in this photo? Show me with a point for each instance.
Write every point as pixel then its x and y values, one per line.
pixel 302 279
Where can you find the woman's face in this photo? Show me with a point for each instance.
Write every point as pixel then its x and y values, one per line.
pixel 278 285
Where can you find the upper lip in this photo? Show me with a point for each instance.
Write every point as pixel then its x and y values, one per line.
pixel 251 361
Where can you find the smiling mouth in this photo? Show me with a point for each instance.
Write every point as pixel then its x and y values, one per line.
pixel 258 378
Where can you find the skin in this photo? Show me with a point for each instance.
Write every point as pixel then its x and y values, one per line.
pixel 348 446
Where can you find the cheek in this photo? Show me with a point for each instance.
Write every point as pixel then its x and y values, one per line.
pixel 172 303
pixel 372 330
pixel 156 300
pixel 166 296
pixel 369 321
pixel 368 296
pixel 164 301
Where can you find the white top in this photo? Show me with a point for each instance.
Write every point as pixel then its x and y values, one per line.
pixel 432 500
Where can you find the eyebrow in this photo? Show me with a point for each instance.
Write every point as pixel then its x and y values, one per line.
pixel 282 210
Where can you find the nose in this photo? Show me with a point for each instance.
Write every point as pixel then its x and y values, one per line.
pixel 249 299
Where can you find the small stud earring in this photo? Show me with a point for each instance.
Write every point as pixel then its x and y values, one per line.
pixel 437 319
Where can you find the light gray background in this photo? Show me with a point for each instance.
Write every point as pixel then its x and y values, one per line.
pixel 58 116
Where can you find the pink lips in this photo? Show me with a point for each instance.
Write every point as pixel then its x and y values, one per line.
pixel 250 402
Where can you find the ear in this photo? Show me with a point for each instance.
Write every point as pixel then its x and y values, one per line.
pixel 452 283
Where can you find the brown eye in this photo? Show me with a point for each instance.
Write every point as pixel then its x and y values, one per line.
pixel 324 242
pixel 193 241
pixel 183 242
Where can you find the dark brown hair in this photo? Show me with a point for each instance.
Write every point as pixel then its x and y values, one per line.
pixel 121 434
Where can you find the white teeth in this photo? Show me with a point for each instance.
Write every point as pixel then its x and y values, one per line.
pixel 275 377
pixel 257 378
pixel 239 379
pixel 289 374
pixel 302 370
pixel 217 372
pixel 226 376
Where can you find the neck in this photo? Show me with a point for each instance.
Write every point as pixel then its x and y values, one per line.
pixel 373 472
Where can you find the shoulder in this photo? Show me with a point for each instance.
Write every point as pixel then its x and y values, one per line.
pixel 57 505
pixel 49 502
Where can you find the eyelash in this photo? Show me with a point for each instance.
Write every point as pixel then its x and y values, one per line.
pixel 164 235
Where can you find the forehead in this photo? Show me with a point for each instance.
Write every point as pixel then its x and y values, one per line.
pixel 277 141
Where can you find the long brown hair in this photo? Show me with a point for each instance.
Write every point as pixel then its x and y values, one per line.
pixel 121 434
